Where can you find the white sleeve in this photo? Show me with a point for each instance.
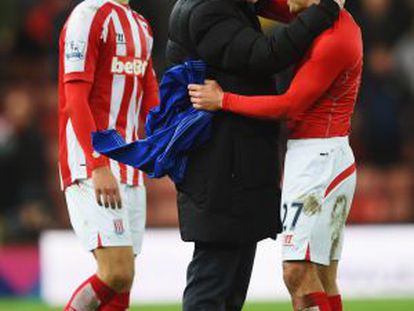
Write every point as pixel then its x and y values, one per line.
pixel 81 41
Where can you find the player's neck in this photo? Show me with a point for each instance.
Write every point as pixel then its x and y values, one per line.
pixel 122 1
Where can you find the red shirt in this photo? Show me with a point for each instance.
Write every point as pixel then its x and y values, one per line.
pixel 321 99
pixel 106 81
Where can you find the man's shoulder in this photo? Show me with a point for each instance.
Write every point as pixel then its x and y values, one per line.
pixel 344 36
pixel 144 22
pixel 89 8
pixel 211 12
pixel 88 17
pixel 345 28
pixel 221 7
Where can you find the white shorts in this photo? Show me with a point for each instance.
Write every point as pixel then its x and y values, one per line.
pixel 317 193
pixel 97 226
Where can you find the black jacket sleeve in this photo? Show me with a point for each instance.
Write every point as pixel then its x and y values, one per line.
pixel 225 41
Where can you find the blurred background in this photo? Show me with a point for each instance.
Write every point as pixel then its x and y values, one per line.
pixel 30 198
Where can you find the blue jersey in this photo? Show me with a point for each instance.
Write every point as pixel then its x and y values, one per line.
pixel 173 128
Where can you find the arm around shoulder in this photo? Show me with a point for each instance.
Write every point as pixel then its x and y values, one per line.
pixel 225 41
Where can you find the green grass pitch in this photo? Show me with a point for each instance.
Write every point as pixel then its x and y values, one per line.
pixel 357 305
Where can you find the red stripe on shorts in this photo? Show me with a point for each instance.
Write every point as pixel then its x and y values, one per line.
pixel 340 178
pixel 307 255
pixel 99 241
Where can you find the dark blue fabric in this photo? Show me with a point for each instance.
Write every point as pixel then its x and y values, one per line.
pixel 172 129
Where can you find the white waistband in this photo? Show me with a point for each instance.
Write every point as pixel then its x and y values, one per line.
pixel 310 142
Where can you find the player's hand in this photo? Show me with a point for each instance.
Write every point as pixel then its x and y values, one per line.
pixel 106 188
pixel 208 96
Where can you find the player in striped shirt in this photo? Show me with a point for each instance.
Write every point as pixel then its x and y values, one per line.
pixel 106 81
pixel 319 173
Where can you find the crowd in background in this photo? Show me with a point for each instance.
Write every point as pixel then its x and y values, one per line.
pixel 31 200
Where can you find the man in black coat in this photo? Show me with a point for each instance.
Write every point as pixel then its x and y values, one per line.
pixel 229 199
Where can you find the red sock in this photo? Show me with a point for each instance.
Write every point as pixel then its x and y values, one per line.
pixel 312 302
pixel 335 302
pixel 90 295
pixel 120 302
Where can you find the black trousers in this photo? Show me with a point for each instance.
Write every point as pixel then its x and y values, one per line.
pixel 218 277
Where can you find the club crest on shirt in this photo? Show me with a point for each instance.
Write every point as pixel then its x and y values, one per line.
pixel 75 50
pixel 119 226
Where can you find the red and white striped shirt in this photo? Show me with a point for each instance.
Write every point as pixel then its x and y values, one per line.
pixel 108 45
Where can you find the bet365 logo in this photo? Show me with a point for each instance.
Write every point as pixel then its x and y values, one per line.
pixel 128 66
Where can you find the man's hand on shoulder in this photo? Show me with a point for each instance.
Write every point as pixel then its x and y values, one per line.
pixel 106 187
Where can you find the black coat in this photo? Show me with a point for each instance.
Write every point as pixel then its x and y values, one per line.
pixel 231 192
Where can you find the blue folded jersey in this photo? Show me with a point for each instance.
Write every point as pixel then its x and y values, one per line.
pixel 172 129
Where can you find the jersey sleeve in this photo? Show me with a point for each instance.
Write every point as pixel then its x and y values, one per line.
pixel 80 44
pixel 277 10
pixel 77 107
pixel 314 77
pixel 151 95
